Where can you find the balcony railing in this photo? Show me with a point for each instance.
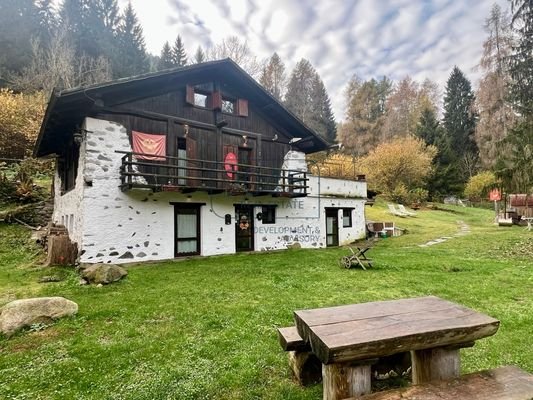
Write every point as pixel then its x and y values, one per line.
pixel 188 175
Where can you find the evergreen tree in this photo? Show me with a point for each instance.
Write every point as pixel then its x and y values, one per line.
pixel 428 127
pixel 19 22
pixel 84 26
pixel 521 60
pixel 48 20
pixel 298 98
pixel 322 119
pixel 179 56
pixel 460 121
pixel 109 20
pixel 199 56
pixel 165 60
pixel 132 49
pixel 445 167
pixel 273 77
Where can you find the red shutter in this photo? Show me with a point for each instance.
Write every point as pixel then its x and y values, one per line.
pixel 189 95
pixel 216 100
pixel 242 107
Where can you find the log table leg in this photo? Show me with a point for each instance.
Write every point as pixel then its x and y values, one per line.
pixel 435 364
pixel 345 380
pixel 305 367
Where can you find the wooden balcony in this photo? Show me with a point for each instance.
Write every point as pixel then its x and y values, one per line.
pixel 185 175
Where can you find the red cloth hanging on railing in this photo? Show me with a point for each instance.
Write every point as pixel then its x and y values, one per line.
pixel 147 143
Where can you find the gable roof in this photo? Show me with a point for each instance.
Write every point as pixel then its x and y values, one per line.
pixel 67 108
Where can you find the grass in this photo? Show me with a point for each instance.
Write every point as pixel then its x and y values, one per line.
pixel 205 328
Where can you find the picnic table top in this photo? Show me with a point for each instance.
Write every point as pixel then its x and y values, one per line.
pixel 376 329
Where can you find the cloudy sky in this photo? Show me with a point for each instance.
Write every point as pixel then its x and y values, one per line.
pixel 370 38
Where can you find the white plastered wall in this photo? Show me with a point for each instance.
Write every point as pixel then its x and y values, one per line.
pixel 138 225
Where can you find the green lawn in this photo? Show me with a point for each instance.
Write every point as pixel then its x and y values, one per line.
pixel 206 328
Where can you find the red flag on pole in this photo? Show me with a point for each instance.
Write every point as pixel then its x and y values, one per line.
pixel 495 195
pixel 153 147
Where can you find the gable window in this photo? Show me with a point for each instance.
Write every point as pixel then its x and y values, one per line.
pixel 228 106
pixel 346 217
pixel 67 167
pixel 268 214
pixel 200 99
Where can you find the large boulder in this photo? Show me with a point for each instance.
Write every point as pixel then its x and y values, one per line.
pixel 103 273
pixel 23 313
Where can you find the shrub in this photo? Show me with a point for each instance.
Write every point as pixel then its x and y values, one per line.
pixel 479 185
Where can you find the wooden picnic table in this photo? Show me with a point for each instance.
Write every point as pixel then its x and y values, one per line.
pixel 349 339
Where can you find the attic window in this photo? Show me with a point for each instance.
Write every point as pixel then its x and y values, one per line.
pixel 228 106
pixel 200 99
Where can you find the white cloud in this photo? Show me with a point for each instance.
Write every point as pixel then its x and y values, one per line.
pixel 421 38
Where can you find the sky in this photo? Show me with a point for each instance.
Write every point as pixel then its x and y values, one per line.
pixel 369 38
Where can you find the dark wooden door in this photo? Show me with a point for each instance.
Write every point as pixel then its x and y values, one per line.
pixel 244 228
pixel 245 158
pixel 332 227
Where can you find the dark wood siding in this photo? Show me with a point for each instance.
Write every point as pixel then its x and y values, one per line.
pixel 267 141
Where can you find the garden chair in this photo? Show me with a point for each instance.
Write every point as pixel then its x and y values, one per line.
pixel 402 209
pixel 396 212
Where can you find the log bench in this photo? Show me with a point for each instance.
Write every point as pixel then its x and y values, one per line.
pixel 306 368
pixel 504 383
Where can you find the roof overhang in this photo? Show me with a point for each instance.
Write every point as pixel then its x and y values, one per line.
pixel 68 108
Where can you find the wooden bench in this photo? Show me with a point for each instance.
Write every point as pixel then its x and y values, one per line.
pixel 504 383
pixel 306 368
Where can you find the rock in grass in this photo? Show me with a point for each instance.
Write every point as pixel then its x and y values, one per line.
pixel 103 273
pixel 24 313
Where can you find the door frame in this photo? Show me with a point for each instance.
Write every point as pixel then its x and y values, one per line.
pixel 251 209
pixel 189 206
pixel 330 211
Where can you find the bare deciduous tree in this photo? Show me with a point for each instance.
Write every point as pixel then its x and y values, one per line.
pixel 232 47
pixel 57 66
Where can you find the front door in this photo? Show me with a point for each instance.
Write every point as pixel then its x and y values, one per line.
pixel 244 228
pixel 332 227
pixel 187 229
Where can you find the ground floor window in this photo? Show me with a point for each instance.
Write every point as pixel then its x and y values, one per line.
pixel 346 217
pixel 268 214
pixel 187 229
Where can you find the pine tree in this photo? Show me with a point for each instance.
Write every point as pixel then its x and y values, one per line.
pixel 460 121
pixel 179 56
pixel 322 119
pixel 48 20
pixel 521 60
pixel 445 174
pixel 199 56
pixel 428 127
pixel 19 22
pixel 273 76
pixel 165 60
pixel 132 49
pixel 298 98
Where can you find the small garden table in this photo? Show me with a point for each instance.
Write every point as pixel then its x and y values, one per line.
pixel 349 339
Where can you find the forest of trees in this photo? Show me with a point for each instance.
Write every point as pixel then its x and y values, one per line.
pixel 466 130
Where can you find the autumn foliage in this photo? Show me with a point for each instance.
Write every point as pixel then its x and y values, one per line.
pixel 20 119
pixel 405 161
